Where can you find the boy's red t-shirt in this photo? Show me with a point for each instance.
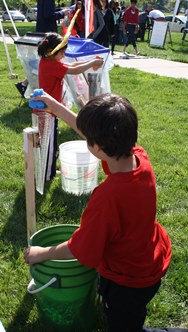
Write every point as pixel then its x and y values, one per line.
pixel 50 76
pixel 119 234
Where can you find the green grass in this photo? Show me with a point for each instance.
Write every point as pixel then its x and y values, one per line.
pixel 175 51
pixel 163 122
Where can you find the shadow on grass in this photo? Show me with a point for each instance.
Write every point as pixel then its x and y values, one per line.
pixel 14 230
pixel 54 207
pixel 19 118
pixel 183 51
pixel 22 315
pixel 21 321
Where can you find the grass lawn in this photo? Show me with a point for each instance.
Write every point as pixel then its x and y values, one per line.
pixel 175 51
pixel 161 104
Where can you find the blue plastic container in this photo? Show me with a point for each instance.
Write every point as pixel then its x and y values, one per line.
pixel 80 47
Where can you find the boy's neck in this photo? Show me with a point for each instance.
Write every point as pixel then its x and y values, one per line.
pixel 124 164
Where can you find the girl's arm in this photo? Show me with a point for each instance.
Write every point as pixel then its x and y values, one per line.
pixel 59 110
pixel 35 254
pixel 75 64
pixel 85 65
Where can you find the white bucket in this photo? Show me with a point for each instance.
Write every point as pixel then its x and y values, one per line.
pixel 79 168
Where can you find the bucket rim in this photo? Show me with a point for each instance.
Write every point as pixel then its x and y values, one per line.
pixel 70 155
pixel 54 227
pixel 74 141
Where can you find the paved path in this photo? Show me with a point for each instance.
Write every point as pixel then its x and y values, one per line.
pixel 155 66
pixel 150 65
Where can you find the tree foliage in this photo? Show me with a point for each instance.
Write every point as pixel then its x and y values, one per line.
pixel 19 4
pixel 24 4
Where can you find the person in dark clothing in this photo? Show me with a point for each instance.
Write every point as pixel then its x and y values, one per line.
pixel 121 35
pixel 47 16
pixel 99 33
pixel 109 19
pixel 143 24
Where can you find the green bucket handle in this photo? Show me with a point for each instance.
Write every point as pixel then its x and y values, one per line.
pixel 31 288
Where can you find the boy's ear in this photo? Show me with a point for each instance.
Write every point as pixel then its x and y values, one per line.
pixel 97 147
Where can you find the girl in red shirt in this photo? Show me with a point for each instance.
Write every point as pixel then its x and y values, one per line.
pixel 51 74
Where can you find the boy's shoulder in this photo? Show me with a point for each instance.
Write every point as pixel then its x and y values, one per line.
pixel 141 154
pixel 139 150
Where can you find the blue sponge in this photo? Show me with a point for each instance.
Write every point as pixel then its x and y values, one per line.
pixel 38 104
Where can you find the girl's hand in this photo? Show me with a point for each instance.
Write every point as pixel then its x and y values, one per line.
pixel 98 62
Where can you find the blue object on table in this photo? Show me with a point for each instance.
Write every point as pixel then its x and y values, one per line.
pixel 37 104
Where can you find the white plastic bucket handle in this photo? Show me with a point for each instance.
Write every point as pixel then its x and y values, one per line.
pixel 31 288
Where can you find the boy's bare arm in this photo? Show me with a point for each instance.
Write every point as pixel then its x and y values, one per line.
pixel 35 254
pixel 59 110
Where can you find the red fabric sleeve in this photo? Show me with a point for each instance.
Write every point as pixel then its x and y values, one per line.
pixel 89 242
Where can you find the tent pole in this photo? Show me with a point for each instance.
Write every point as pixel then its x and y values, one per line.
pixel 7 9
pixel 7 53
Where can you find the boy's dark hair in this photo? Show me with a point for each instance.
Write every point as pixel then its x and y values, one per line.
pixel 48 44
pixel 111 122
pixel 134 1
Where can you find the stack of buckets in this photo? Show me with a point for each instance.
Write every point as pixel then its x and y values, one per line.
pixel 79 168
pixel 65 290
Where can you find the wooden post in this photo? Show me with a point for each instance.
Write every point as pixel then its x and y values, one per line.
pixel 29 135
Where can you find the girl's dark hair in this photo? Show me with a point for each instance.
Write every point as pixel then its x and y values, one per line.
pixel 82 6
pixel 48 44
pixel 97 3
pixel 111 122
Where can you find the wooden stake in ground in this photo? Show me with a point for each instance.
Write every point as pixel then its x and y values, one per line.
pixel 30 137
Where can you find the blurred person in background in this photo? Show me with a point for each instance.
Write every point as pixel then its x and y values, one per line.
pixel 47 16
pixel 131 26
pixel 116 12
pixel 156 15
pixel 99 33
pixel 186 25
pixel 144 22
pixel 79 25
pixel 108 12
pixel 117 16
pixel 121 35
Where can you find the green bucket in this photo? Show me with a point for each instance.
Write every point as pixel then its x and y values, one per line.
pixel 65 290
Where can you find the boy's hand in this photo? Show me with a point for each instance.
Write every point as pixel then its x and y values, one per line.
pixel 34 255
pixel 48 100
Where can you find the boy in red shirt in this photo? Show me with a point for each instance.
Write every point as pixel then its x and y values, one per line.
pixel 119 234
pixel 131 19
